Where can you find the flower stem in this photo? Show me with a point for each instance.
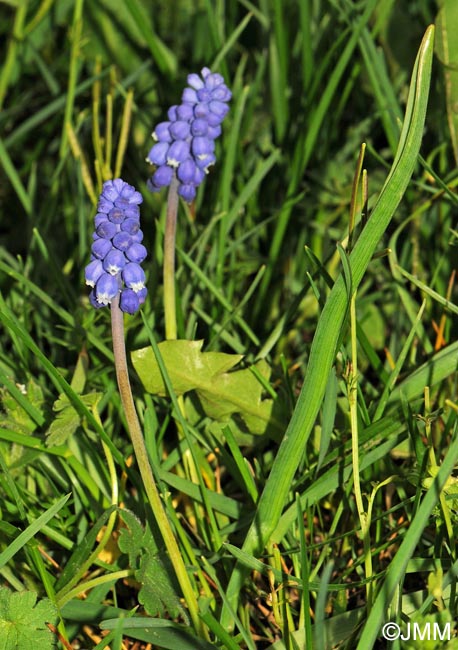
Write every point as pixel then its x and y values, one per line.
pixel 189 460
pixel 364 517
pixel 141 454
pixel 169 261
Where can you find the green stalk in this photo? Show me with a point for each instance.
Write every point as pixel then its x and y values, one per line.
pixel 169 261
pixel 189 458
pixel 141 454
pixel 12 52
pixel 76 32
pixel 95 582
pixel 352 398
pixel 434 468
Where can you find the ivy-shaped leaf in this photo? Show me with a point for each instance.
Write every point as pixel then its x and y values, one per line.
pixel 222 394
pixel 153 570
pixel 23 621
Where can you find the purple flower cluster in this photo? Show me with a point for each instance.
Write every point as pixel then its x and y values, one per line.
pixel 117 250
pixel 186 142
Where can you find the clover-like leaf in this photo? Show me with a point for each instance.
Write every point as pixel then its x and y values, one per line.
pixel 222 391
pixel 23 621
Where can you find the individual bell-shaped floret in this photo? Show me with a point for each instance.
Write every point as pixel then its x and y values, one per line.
pixel 106 288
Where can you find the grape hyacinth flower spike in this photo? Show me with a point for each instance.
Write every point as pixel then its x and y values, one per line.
pixel 183 153
pixel 117 251
pixel 185 144
pixel 118 280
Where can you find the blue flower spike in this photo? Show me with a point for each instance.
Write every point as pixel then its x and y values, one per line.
pixel 185 144
pixel 116 251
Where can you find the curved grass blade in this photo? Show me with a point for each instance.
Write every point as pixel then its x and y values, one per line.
pixel 31 530
pixel 275 493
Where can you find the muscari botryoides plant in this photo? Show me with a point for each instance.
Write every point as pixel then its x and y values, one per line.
pixel 183 153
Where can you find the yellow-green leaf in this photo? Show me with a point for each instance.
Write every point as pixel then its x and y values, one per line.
pixel 221 393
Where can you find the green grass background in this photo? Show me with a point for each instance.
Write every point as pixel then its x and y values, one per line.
pixel 269 524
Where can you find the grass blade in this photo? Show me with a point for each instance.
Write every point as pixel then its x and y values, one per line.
pixel 31 530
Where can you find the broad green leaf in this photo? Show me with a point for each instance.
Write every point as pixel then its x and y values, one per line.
pixel 63 427
pixel 23 621
pixel 157 594
pixel 68 419
pixel 186 365
pixel 133 538
pixel 221 393
pixel 80 373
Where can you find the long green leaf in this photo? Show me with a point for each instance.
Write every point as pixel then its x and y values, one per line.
pixel 385 96
pixel 163 56
pixel 329 327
